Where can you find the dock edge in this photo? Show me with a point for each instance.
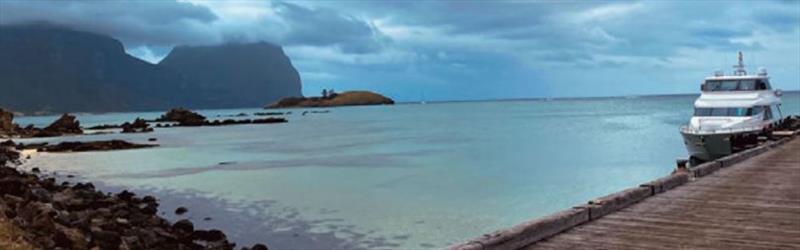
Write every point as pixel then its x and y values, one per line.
pixel 532 231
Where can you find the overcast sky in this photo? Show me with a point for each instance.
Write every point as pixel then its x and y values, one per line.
pixel 456 50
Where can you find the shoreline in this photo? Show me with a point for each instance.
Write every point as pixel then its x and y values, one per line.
pixel 37 212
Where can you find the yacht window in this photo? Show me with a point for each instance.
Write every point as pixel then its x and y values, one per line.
pixel 737 111
pixel 757 110
pixel 761 85
pixel 747 85
pixel 767 113
pixel 734 85
pixel 723 111
pixel 728 85
pixel 702 112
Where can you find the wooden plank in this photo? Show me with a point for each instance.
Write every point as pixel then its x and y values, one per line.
pixel 754 204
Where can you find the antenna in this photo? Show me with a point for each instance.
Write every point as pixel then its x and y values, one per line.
pixel 740 66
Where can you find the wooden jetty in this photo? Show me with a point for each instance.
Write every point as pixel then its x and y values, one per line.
pixel 749 200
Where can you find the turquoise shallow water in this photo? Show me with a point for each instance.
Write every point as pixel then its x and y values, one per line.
pixel 405 176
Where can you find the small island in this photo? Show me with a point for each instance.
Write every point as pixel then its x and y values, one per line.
pixel 332 99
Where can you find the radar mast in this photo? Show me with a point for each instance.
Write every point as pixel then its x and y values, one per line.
pixel 740 67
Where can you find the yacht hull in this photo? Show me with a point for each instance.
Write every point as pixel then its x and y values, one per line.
pixel 707 147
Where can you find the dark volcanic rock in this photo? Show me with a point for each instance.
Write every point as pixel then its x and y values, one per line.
pixel 105 126
pixel 79 217
pixel 67 124
pixel 8 154
pixel 138 126
pixel 181 210
pixel 64 125
pixel 186 117
pixel 350 98
pixel 184 226
pixel 183 117
pixel 93 146
pixel 6 122
pixel 259 247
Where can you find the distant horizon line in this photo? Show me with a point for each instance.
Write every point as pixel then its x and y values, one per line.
pixel 416 102
pixel 564 98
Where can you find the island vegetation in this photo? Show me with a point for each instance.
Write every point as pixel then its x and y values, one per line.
pixel 333 99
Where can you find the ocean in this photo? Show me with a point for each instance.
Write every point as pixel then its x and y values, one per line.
pixel 409 176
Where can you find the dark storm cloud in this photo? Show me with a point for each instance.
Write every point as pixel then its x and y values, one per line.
pixel 133 22
pixel 326 27
pixel 169 23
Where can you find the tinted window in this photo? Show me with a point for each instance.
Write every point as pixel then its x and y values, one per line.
pixel 761 85
pixel 728 85
pixel 737 112
pixel 767 113
pixel 733 85
pixel 747 85
pixel 702 112
pixel 723 112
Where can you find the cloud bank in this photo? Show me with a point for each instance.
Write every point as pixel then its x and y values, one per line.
pixel 463 49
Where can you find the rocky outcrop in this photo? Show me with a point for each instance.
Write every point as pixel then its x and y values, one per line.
pixel 64 216
pixel 66 124
pixel 6 122
pixel 183 117
pixel 138 126
pixel 350 98
pixel 8 154
pixel 93 146
pixel 188 118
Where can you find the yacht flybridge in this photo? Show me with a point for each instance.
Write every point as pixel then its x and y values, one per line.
pixel 731 112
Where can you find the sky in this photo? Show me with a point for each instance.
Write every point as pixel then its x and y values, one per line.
pixel 464 50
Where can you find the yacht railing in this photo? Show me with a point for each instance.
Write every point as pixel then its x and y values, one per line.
pixel 689 130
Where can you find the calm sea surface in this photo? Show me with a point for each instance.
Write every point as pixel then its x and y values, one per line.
pixel 405 176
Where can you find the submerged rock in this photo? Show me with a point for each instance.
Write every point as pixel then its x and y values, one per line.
pixel 188 118
pixel 181 210
pixel 93 146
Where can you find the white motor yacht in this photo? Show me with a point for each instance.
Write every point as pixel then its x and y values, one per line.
pixel 731 112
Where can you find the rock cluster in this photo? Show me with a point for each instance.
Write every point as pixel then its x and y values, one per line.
pixel 79 217
pixel 138 126
pixel 93 146
pixel 7 153
pixel 245 121
pixel 65 125
pixel 789 123
pixel 183 117
pixel 188 118
pixel 270 113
